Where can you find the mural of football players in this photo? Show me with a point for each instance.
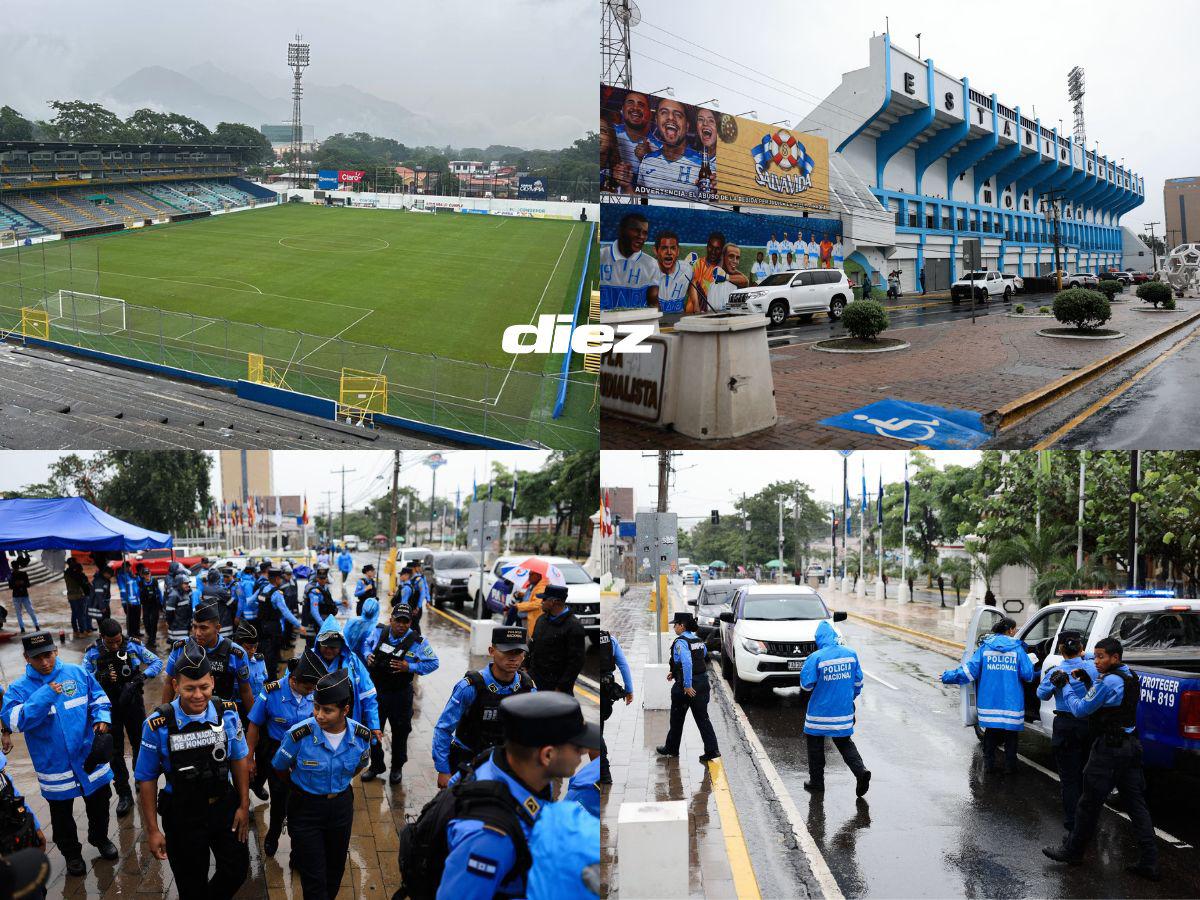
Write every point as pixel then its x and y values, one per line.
pixel 706 135
pixel 674 169
pixel 723 286
pixel 787 251
pixel 635 139
pixel 675 291
pixel 627 274
pixel 826 248
pixel 813 250
pixel 761 269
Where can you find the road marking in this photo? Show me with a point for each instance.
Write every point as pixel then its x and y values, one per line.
pixel 816 861
pixel 879 623
pixel 745 885
pixel 880 680
pixel 459 622
pixel 1169 838
pixel 1104 401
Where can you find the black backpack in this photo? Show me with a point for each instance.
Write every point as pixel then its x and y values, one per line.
pixel 423 848
pixel 17 831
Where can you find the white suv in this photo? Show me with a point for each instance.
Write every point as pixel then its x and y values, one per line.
pixel 800 292
pixel 768 633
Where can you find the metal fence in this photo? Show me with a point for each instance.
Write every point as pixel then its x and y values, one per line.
pixel 508 404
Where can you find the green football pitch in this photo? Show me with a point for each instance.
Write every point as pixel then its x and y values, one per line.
pixel 420 298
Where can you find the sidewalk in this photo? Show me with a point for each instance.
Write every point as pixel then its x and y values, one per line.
pixel 921 617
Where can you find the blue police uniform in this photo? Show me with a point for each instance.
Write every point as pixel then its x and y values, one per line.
pixel 277 709
pixel 257 671
pixel 366 699
pixel 395 689
pixel 320 809
pixel 364 589
pixel 584 787
pixel 470 721
pixel 566 854
pixel 1071 737
pixel 127 587
pixel 688 671
pixel 121 674
pixel 997 669
pixel 834 677
pixel 198 803
pixel 319 602
pixel 12 802
pixel 481 863
pixel 230 666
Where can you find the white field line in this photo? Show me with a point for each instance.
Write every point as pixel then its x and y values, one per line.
pixel 327 340
pixel 194 330
pixel 495 400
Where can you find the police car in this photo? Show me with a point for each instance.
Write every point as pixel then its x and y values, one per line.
pixel 767 634
pixel 1160 635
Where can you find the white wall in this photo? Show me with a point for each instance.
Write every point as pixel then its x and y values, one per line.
pixel 493 206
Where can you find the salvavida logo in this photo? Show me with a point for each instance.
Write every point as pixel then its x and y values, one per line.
pixel 553 334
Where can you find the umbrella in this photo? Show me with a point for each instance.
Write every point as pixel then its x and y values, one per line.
pixel 519 576
pixel 717 564
pixel 774 564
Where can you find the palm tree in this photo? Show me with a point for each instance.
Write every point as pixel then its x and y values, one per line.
pixel 958 572
pixel 1039 551
pixel 1063 574
pixel 985 566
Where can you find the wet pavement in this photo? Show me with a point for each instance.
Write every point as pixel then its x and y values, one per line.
pixel 379 808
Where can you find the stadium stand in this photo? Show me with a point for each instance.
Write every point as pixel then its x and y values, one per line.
pixel 22 226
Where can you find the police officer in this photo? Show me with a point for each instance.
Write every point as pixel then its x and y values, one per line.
pixel 150 601
pixel 178 608
pixel 1071 738
pixel 214 591
pixel 291 596
pixel 246 579
pixel 196 741
pixel 584 786
pixel 318 599
pixel 101 596
pixel 246 637
pixel 19 825
pixel 557 645
pixel 395 655
pixel 612 658
pixel 121 666
pixel 420 593
pixel 321 756
pixel 331 650
pixel 689 689
pixel 270 612
pixel 65 716
pixel 280 705
pixel 130 601
pixel 997 668
pixel 345 564
pixel 470 722
pixel 834 678
pixel 405 589
pixel 1110 706
pixel 545 737
pixel 226 661
pixel 365 588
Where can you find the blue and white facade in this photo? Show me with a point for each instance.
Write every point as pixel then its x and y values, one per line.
pixel 947 162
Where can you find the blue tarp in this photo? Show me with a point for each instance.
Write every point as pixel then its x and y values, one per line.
pixel 917 423
pixel 70 523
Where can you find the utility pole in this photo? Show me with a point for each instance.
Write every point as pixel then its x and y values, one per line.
pixel 664 477
pixel 779 556
pixel 395 495
pixel 1153 243
pixel 329 509
pixel 1135 482
pixel 342 471
pixel 799 560
pixel 1052 198
pixel 1079 537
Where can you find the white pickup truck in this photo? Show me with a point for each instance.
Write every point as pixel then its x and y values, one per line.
pixel 1160 636
pixel 986 285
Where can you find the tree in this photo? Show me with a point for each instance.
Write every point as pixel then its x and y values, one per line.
pixel 14 126
pixel 1155 243
pixel 957 571
pixel 163 490
pixel 75 120
pixel 235 135
pixel 152 127
pixel 1042 551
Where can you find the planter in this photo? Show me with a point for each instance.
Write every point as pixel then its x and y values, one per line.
pixel 1027 316
pixel 854 345
pixel 1154 309
pixel 1075 334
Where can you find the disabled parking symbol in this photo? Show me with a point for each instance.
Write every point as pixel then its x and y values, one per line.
pixel 916 423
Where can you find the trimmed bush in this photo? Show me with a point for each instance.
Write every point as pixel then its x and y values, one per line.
pixel 1109 289
pixel 1156 293
pixel 1082 308
pixel 1044 310
pixel 865 319
pixel 1019 308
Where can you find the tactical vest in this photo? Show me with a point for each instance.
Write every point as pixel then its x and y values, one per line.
pixel 146 593
pixel 219 594
pixel 697 650
pixel 479 728
pixel 268 614
pixel 325 606
pixel 17 831
pixel 182 619
pixel 385 651
pixel 198 754
pixel 608 670
pixel 117 668
pixel 291 596
pixel 1111 721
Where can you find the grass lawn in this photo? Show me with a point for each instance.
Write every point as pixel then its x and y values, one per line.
pixel 420 298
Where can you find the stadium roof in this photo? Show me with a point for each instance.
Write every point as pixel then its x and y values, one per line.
pixel 31 146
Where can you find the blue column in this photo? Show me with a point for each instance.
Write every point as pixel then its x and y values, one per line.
pixel 897 137
pixel 1001 159
pixel 971 153
pixel 942 142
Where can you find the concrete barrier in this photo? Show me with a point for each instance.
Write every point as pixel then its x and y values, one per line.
pixel 481 636
pixel 652 846
pixel 656 690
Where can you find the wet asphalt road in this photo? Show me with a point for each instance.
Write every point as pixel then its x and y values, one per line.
pixel 931 825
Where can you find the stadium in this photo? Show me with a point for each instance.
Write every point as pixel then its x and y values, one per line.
pixel 386 311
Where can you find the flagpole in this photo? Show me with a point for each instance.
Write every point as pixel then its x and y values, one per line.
pixel 880 591
pixel 860 589
pixel 903 595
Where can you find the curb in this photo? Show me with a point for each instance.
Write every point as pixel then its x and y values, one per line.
pixel 903 345
pixel 1049 332
pixel 1023 407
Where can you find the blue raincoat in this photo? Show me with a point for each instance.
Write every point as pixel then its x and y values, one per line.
pixel 834 676
pixel 358 628
pixel 997 669
pixel 366 698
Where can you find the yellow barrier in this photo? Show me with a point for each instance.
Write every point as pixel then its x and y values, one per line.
pixel 258 372
pixel 35 323
pixel 360 396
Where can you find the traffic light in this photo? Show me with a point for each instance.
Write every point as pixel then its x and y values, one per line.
pixel 716 517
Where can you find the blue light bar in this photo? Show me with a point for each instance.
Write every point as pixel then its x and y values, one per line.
pixel 1162 592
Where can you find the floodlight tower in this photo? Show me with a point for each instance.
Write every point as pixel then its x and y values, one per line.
pixel 297 62
pixel 616 18
pixel 1075 89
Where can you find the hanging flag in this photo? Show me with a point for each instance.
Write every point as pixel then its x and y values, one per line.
pixel 474 485
pixel 1044 462
pixel 905 488
pixel 879 504
pixel 278 511
pixel 304 514
pixel 606 528
pixel 250 512
pixel 512 503
pixel 865 504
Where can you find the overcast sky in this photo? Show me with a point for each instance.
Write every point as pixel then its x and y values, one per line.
pixel 300 471
pixel 1140 64
pixel 523 65
pixel 714 479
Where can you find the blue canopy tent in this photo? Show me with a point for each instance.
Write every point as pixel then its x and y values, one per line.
pixel 71 523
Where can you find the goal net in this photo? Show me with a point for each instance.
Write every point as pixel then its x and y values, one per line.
pixel 89 313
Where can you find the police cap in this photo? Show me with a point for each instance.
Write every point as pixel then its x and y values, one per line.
pixel 402 611
pixel 547 718
pixel 555 592
pixel 274 572
pixel 264 565
pixel 322 570
pixel 245 631
pixel 38 643
pixel 683 618
pixel 249 567
pixel 206 612
pixel 308 667
pixel 192 661
pixel 23 872
pixel 334 688
pixel 228 571
pixel 504 638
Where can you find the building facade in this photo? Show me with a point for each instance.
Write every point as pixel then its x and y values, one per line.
pixel 1181 201
pixel 946 162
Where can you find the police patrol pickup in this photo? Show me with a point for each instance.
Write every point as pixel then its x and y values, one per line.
pixel 1161 639
pixel 985 285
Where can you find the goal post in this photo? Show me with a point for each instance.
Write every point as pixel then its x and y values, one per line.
pixel 90 313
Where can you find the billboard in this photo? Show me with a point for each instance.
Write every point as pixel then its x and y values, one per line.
pixel 660 147
pixel 327 179
pixel 531 187
pixel 350 176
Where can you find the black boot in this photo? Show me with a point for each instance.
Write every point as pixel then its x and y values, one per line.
pixel 124 804
pixel 663 751
pixel 107 849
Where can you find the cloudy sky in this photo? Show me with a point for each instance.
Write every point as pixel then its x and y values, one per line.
pixel 714 479
pixel 1140 64
pixel 525 69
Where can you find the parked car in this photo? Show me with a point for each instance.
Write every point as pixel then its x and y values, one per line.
pixel 815 570
pixel 1017 282
pixel 768 633
pixel 157 561
pixel 451 569
pixel 1142 277
pixel 800 292
pixel 1125 278
pixel 715 598
pixel 583 591
pixel 1160 636
pixel 350 542
pixel 691 574
pixel 985 284
pixel 1076 279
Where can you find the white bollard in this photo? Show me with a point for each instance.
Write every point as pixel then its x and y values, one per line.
pixel 845 584
pixel 860 589
pixel 652 846
pixel 903 594
pixel 879 590
pixel 656 690
pixel 481 636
